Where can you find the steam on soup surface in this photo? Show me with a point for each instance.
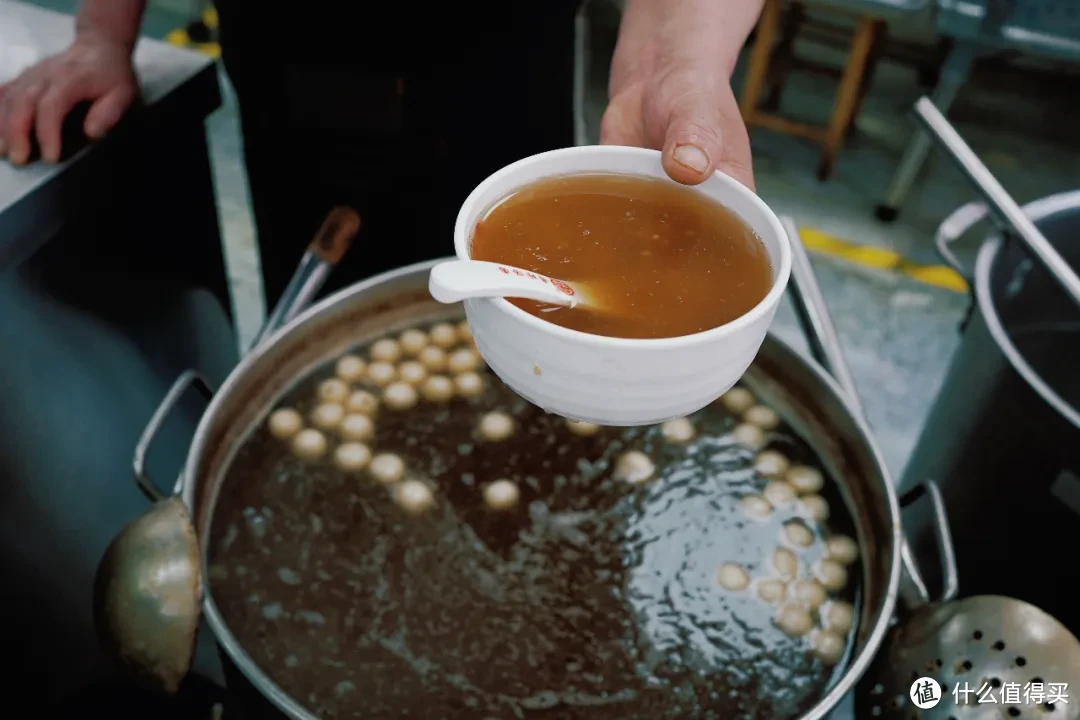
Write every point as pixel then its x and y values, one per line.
pixel 665 261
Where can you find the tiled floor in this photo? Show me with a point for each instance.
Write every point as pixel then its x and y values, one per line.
pixel 898 334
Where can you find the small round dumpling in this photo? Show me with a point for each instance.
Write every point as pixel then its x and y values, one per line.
pixel 327 416
pixel 412 341
pixel 815 507
pixel 463 360
pixel 762 416
pixel 797 534
pixel 387 468
pixel 357 426
pixel 412 372
pixel 785 564
pixel 749 436
pixel 464 331
pixel 468 384
pixel 679 430
pixel 284 423
pixel 779 493
pixel 737 400
pixel 444 336
pixel 831 574
pixel 381 373
pixel 771 590
pixel 400 396
pixel 755 507
pixel 771 463
pixel 350 368
pixel 496 427
pixel 809 594
pixel 333 390
pixel 794 620
pixel 385 350
pixel 827 645
pixel 434 358
pixel 842 549
pixel 634 467
pixel 437 388
pixel 352 456
pixel 732 576
pixel 309 444
pixel 584 429
pixel 805 479
pixel 413 496
pixel 363 402
pixel 501 495
pixel 837 616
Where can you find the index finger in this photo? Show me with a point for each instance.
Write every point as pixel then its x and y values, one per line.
pixel 52 108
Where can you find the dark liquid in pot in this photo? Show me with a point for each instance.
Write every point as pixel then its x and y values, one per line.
pixel 592 598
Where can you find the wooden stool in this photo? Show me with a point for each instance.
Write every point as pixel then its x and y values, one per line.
pixel 772 59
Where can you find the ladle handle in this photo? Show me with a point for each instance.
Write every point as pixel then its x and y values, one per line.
pixel 1000 202
pixel 824 344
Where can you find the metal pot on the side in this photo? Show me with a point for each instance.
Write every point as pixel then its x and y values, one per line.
pixel 803 393
pixel 1003 438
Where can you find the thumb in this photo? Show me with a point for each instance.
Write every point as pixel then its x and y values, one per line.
pixel 699 140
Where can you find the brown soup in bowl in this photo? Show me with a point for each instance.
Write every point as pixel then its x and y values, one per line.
pixel 405 537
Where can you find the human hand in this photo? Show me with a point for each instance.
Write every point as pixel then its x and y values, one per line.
pixel 93 69
pixel 670 86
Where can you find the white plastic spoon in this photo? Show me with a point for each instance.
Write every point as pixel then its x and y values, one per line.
pixel 457 280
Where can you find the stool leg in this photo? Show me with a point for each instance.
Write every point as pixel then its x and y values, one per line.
pixel 848 95
pixel 953 75
pixel 876 47
pixel 783 58
pixel 758 68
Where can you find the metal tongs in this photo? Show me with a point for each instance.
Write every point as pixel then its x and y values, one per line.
pixel 1009 215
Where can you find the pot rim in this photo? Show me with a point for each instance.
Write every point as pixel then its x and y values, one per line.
pixel 1036 211
pixel 855 669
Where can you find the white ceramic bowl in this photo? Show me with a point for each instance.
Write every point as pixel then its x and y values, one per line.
pixel 617 381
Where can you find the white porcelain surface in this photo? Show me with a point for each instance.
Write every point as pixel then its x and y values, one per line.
pixel 615 381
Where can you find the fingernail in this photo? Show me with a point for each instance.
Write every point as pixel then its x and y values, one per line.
pixel 693 157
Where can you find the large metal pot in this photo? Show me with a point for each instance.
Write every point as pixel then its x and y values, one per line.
pixel 808 399
pixel 1003 439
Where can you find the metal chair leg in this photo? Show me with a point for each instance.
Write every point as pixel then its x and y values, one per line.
pixel 954 74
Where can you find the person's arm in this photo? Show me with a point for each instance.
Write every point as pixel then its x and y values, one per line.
pixel 670 85
pixel 96 68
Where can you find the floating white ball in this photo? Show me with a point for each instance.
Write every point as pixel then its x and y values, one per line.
pixel 350 368
pixel 496 427
pixel 755 507
pixel 400 396
pixel 333 390
pixel 412 341
pixel 309 444
pixel 634 467
pixel 805 479
pixel 357 426
pixel 732 576
pixel 385 350
pixel 464 360
pixel 679 430
pixel 361 401
pixel 809 594
pixel 762 416
pixel 815 507
pixel 831 574
pixel 749 436
pixel 828 646
pixel 381 373
pixel 779 493
pixel 413 496
pixel 837 616
pixel 501 495
pixel 737 400
pixel 771 590
pixel 785 563
pixel 433 358
pixel 387 468
pixel 842 549
pixel 444 335
pixel 796 533
pixel 352 456
pixel 412 372
pixel 437 388
pixel 327 416
pixel 584 429
pixel 284 423
pixel 464 331
pixel 469 384
pixel 794 620
pixel 771 464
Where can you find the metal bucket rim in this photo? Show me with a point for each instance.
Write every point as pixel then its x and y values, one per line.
pixel 1036 211
pixel 265 685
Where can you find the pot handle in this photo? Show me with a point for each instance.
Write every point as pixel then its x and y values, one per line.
pixel 825 346
pixel 955 226
pixel 186 379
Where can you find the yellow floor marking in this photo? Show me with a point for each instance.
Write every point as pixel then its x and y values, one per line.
pixel 881 259
pixel 180 38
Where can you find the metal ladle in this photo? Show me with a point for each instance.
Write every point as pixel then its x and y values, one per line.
pixel 147 591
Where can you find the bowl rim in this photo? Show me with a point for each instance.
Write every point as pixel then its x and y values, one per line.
pixel 462 235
